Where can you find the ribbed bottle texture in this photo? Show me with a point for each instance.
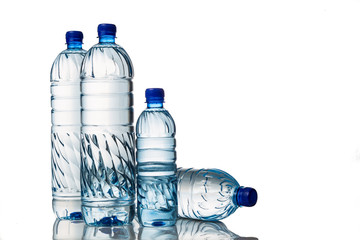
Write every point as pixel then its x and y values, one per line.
pixel 210 194
pixel 107 134
pixel 65 132
pixel 156 156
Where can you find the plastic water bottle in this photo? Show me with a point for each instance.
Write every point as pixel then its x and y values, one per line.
pixel 195 229
pixel 107 133
pixel 156 168
pixel 210 194
pixel 65 130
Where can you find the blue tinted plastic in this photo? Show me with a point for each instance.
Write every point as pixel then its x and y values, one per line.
pixel 106 29
pixel 246 197
pixel 106 33
pixel 154 95
pixel 74 39
pixel 74 36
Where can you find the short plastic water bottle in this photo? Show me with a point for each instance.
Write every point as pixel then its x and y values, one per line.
pixel 210 194
pixel 107 133
pixel 156 168
pixel 65 130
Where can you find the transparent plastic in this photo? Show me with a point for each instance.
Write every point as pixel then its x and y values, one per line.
pixel 107 134
pixel 156 168
pixel 65 132
pixel 206 194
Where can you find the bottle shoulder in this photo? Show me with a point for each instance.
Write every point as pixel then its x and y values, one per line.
pixel 66 66
pixel 107 60
pixel 215 189
pixel 74 51
pixel 217 176
pixel 155 122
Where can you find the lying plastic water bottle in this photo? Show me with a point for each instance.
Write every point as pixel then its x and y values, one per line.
pixel 65 130
pixel 107 133
pixel 210 194
pixel 156 168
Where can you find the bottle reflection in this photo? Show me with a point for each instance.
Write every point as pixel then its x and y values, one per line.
pixel 158 233
pixel 125 232
pixel 194 229
pixel 185 229
pixel 68 229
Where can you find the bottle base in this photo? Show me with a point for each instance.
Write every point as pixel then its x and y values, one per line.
pixel 157 218
pixel 107 214
pixel 67 208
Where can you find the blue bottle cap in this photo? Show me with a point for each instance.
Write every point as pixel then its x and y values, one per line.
pixel 246 197
pixel 154 95
pixel 106 29
pixel 74 36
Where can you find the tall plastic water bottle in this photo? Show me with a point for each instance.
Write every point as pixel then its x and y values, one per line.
pixel 107 133
pixel 65 130
pixel 156 168
pixel 211 194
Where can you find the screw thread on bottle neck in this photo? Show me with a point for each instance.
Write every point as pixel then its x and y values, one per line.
pixel 107 39
pixel 155 105
pixel 74 45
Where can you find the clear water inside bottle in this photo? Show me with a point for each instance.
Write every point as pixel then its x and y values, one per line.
pixel 65 133
pixel 156 156
pixel 108 157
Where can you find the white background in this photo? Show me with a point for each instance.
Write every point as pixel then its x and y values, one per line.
pixel 268 91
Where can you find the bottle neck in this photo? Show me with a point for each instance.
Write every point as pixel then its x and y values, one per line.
pixel 107 39
pixel 236 198
pixel 155 105
pixel 74 45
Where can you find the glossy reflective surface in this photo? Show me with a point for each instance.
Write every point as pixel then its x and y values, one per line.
pixel 184 229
